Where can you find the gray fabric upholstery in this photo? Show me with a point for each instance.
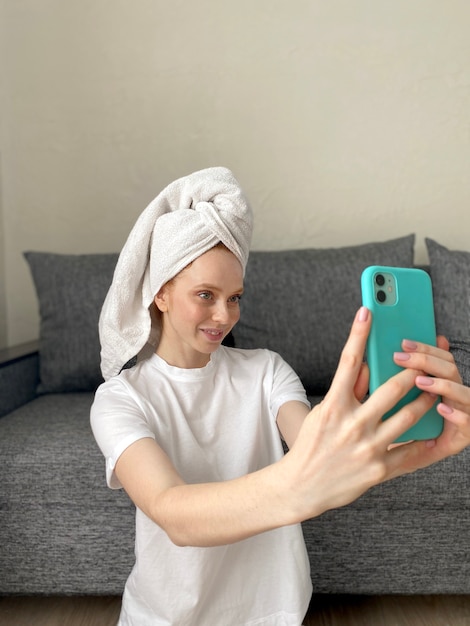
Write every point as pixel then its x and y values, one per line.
pixel 71 290
pixel 389 549
pixel 311 288
pixel 62 531
pixel 301 303
pixel 461 353
pixel 450 274
pixel 25 369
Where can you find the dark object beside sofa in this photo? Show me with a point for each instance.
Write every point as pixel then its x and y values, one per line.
pixel 62 531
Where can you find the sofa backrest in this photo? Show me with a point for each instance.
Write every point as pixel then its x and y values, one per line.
pixel 301 303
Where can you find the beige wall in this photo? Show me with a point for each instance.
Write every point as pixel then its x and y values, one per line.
pixel 344 121
pixel 3 308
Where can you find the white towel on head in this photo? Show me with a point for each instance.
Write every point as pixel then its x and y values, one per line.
pixel 188 218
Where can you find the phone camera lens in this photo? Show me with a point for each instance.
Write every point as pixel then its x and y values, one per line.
pixel 380 280
pixel 381 296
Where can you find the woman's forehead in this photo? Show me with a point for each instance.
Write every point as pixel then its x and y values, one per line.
pixel 218 267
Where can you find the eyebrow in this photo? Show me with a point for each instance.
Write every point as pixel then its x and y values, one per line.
pixel 210 287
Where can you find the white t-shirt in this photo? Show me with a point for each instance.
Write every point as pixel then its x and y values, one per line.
pixel 215 423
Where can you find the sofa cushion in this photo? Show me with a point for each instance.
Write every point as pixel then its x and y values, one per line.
pixel 63 531
pixel 450 274
pixel 461 353
pixel 301 303
pixel 71 290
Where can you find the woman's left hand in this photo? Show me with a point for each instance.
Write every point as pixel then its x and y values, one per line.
pixel 442 378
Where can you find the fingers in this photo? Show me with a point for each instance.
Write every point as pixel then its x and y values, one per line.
pixel 448 389
pixel 350 363
pixel 443 343
pixel 385 398
pixel 455 416
pixel 389 393
pixel 435 361
pixel 405 418
pixel 442 346
pixel 456 435
pixel 442 378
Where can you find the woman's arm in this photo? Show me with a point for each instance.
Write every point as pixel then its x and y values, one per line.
pixel 290 418
pixel 207 514
pixel 340 449
pixel 291 415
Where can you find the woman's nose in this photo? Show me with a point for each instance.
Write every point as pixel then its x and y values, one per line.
pixel 221 313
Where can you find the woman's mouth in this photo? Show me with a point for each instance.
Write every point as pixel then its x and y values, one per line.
pixel 213 334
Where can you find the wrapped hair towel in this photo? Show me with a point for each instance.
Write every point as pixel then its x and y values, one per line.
pixel 188 218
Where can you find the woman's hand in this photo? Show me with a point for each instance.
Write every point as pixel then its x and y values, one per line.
pixel 343 446
pixel 441 378
pixel 341 450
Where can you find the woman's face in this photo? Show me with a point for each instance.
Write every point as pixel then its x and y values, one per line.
pixel 199 308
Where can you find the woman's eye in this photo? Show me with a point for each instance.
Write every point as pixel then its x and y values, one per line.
pixel 205 295
pixel 209 296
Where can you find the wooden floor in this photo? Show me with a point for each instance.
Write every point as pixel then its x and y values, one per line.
pixel 332 611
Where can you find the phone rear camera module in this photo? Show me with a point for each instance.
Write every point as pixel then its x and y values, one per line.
pixel 381 295
pixel 385 287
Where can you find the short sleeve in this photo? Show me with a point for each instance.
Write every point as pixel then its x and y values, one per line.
pixel 117 421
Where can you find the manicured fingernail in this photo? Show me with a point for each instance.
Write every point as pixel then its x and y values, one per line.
pixel 445 408
pixel 430 443
pixel 409 345
pixel 426 381
pixel 363 314
pixel 401 356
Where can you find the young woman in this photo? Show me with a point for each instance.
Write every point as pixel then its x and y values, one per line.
pixel 193 431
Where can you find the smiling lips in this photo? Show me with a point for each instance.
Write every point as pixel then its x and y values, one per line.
pixel 213 334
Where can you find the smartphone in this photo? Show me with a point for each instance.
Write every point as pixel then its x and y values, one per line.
pixel 401 303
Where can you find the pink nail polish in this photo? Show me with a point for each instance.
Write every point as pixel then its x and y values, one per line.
pixel 401 356
pixel 362 314
pixel 426 381
pixel 409 345
pixel 445 408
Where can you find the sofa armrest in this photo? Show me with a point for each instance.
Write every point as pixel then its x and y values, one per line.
pixel 19 376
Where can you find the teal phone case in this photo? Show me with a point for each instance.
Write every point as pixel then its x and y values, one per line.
pixel 403 310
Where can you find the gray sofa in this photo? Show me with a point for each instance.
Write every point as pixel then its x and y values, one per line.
pixel 62 531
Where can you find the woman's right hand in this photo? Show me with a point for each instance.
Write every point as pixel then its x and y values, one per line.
pixel 343 446
pixel 340 450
